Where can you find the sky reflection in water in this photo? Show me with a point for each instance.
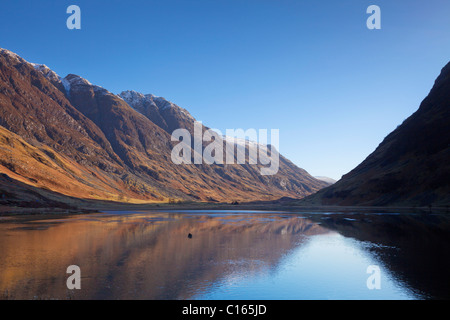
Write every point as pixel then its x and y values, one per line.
pixel 239 255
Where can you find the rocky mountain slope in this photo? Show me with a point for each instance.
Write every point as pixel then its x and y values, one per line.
pixel 68 136
pixel 411 167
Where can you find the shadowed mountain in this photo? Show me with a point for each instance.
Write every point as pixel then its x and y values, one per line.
pixel 411 167
pixel 78 139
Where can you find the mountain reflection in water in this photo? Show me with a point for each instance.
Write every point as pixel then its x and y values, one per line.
pixel 240 255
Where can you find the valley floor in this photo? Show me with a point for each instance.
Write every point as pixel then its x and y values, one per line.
pixel 90 206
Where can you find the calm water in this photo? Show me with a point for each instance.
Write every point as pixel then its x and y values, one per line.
pixel 231 255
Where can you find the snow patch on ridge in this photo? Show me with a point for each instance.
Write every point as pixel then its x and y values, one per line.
pixel 47 72
pixel 138 101
pixel 66 85
pixel 75 82
pixel 242 142
pixel 13 55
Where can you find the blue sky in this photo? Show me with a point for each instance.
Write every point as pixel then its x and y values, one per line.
pixel 311 69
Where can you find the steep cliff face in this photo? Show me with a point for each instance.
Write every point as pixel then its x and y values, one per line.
pixel 160 111
pixel 46 142
pixel 78 139
pixel 410 167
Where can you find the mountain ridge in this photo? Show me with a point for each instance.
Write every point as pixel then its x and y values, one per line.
pixel 94 138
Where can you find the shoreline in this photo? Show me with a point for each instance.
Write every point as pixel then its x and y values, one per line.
pixel 88 206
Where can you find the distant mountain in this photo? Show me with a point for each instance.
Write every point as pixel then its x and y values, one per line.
pixel 68 136
pixel 411 167
pixel 326 179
